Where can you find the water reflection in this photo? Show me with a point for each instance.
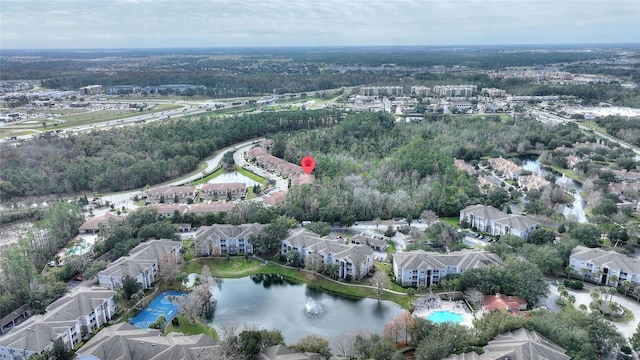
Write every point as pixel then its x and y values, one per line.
pixel 274 302
pixel 572 211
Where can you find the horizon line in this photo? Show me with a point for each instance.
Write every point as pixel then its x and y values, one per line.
pixel 549 45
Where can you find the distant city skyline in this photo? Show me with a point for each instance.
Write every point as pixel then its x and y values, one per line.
pixel 63 24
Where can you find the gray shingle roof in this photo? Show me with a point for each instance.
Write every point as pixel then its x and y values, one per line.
pixel 610 259
pixel 463 259
pixel 126 342
pixel 521 344
pixel 222 231
pixel 337 249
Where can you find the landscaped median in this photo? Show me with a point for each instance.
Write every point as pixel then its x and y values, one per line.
pixel 237 267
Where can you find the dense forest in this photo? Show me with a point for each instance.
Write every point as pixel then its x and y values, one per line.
pixel 370 167
pixel 133 157
pixel 626 129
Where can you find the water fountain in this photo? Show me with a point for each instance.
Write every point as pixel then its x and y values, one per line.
pixel 313 309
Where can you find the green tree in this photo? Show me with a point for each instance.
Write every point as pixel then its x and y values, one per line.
pixel 269 240
pixel 541 236
pixel 293 256
pixel 635 339
pixel 130 286
pixel 60 351
pixel 320 228
pixel 314 344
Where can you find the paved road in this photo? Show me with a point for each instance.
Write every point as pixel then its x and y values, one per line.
pixel 126 198
pixel 583 297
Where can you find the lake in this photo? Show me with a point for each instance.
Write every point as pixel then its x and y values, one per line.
pixel 576 209
pixel 231 177
pixel 297 310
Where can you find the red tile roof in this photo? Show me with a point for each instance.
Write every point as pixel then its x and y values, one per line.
pixel 512 304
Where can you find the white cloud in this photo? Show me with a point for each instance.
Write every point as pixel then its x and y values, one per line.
pixel 211 23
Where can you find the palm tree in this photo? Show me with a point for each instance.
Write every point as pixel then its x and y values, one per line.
pixel 613 279
pixel 636 292
pixel 626 285
pixel 599 273
pixel 583 271
pixel 595 294
pixel 611 291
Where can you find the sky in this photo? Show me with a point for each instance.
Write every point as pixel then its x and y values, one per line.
pixel 62 24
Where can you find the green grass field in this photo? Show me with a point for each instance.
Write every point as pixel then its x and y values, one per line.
pixel 250 175
pixel 219 171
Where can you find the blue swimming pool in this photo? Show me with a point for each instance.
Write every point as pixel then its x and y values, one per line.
pixel 166 303
pixel 442 316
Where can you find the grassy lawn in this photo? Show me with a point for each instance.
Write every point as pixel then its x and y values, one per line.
pixel 110 115
pixel 250 175
pixel 217 172
pixel 453 221
pixel 187 328
pixel 391 247
pixel 237 267
pixel 250 193
pixel 567 172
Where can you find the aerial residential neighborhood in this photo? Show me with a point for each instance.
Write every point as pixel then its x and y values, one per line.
pixel 412 180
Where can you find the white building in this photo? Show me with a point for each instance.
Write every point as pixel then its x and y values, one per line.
pixel 354 261
pixel 421 91
pixel 69 319
pixel 219 239
pixel 142 263
pixel 381 91
pixel 497 223
pixel 587 261
pixel 415 268
pixel 455 90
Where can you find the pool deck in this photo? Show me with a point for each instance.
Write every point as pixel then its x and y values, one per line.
pixel 426 305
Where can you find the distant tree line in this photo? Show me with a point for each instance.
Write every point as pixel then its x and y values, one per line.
pixel 135 156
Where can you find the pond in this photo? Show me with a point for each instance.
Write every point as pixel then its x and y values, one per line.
pixel 573 211
pixel 231 177
pixel 297 310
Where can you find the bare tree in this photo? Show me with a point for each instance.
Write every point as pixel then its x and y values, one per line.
pixel 200 302
pixel 313 262
pixel 169 268
pixel 473 296
pixel 381 281
pixel 429 217
pixel 345 343
pixel 229 347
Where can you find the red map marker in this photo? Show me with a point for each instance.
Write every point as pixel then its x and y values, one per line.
pixel 308 163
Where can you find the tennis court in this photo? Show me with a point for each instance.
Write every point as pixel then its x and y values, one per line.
pixel 166 303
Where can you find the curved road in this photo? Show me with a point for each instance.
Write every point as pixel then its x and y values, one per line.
pixel 125 198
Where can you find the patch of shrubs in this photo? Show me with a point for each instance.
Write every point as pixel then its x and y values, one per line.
pixel 573 284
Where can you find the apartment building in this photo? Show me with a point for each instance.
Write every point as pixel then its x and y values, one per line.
pixel 381 91
pixel 142 263
pixel 600 265
pixel 221 239
pixel 421 91
pixel 354 261
pixel 68 319
pixel 125 342
pixel 490 220
pixel 222 191
pixel 455 90
pixel 415 268
pixel 521 344
pixel 171 194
